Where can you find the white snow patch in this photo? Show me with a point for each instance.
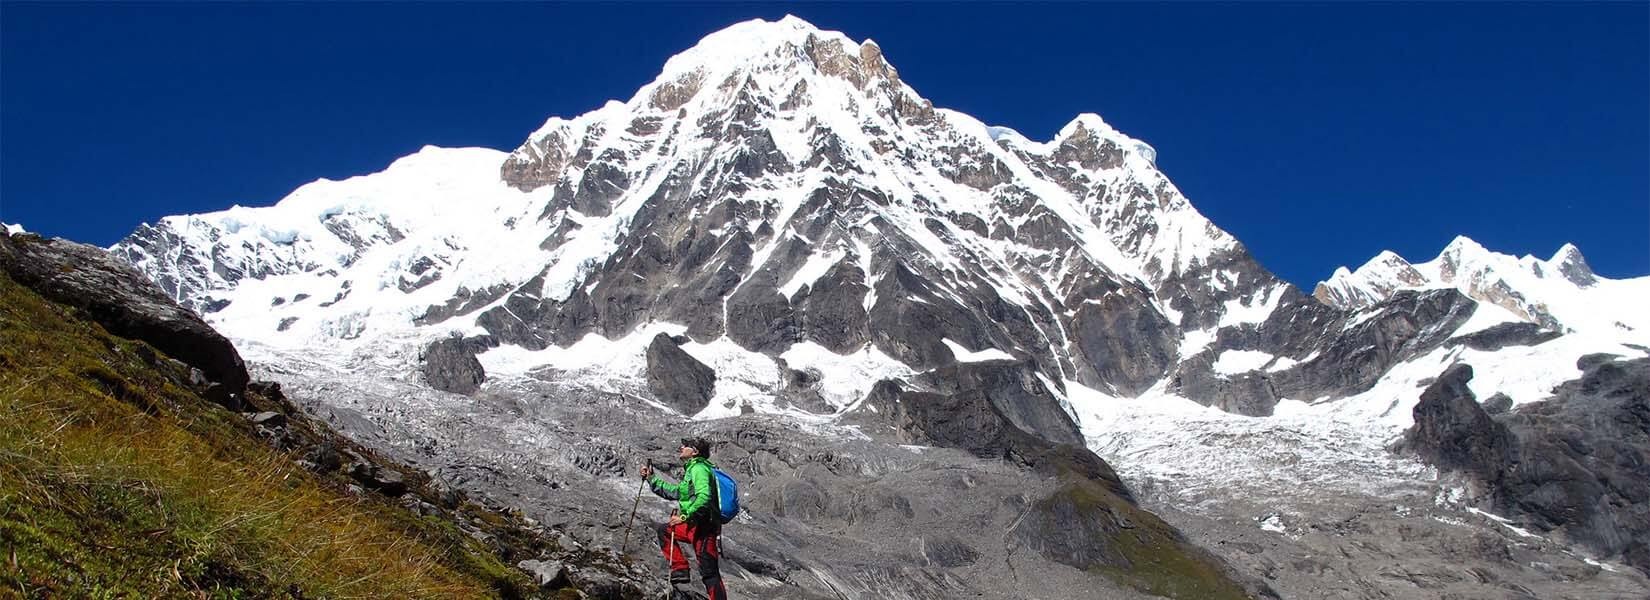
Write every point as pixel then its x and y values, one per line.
pixel 1505 522
pixel 998 133
pixel 1485 316
pixel 1235 362
pixel 1195 341
pixel 1256 311
pixel 970 356
pixel 13 228
pixel 845 380
pixel 742 378
pixel 811 271
pixel 1610 568
pixel 1273 522
pixel 1529 373
pixel 1283 363
pixel 1205 455
pixel 591 356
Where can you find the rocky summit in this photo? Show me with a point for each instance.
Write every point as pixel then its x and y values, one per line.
pixel 946 360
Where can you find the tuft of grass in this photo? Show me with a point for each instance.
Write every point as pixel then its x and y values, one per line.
pixel 117 481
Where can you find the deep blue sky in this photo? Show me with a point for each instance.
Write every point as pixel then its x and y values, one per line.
pixel 1317 134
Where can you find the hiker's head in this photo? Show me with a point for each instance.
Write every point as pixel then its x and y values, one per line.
pixel 692 447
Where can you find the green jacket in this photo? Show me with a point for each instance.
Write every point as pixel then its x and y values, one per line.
pixel 695 494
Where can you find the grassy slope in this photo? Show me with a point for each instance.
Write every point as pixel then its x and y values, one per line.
pixel 117 481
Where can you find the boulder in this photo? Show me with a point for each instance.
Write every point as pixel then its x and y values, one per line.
pixel 676 378
pixel 124 301
pixel 450 365
pixel 548 574
pixel 1452 431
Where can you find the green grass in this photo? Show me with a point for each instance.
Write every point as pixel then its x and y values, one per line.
pixel 1159 561
pixel 116 481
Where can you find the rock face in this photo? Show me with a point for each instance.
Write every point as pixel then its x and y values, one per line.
pixel 1575 465
pixel 1453 431
pixel 125 302
pixel 676 378
pixel 1584 468
pixel 450 365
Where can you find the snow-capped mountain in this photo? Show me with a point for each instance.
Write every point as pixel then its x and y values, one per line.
pixel 1561 293
pixel 777 187
pixel 779 225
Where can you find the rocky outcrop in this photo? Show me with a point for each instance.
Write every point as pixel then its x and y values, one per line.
pixel 1353 350
pixel 126 303
pixel 1584 464
pixel 450 365
pixel 1576 465
pixel 1505 335
pixel 1452 431
pixel 676 378
pixel 1013 393
pixel 1126 343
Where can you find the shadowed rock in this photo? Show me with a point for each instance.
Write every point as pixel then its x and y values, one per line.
pixel 122 300
pixel 676 378
pixel 450 365
pixel 1452 431
pixel 1576 465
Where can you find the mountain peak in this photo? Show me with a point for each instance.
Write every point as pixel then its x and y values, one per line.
pixel 755 41
pixel 1569 262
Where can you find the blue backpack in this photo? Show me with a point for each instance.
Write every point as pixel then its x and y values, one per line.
pixel 727 496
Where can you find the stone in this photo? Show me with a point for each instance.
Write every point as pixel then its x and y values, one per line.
pixel 676 378
pixel 124 302
pixel 548 574
pixel 268 419
pixel 1452 431
pixel 1498 403
pixel 451 365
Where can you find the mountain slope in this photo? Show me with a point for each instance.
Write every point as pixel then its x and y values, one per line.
pixel 779 238
pixel 123 477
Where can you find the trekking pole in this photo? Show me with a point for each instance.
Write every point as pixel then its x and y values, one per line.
pixel 632 521
pixel 670 551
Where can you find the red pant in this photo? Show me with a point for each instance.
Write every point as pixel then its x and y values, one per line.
pixel 705 548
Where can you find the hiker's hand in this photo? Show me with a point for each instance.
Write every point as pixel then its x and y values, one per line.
pixel 647 470
pixel 676 520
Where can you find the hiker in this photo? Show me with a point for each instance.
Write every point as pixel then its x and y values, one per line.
pixel 696 521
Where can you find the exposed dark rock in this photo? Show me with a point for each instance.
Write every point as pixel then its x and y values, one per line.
pixel 1574 267
pixel 1504 335
pixel 604 181
pixel 1126 344
pixel 676 378
pixel 549 574
pixel 1497 404
pixel 1356 349
pixel 450 365
pixel 1577 464
pixel 540 163
pixel 947 552
pixel 387 481
pixel 1453 432
pixel 1248 394
pixel 1013 391
pixel 125 302
pixel 832 313
pixel 1585 460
